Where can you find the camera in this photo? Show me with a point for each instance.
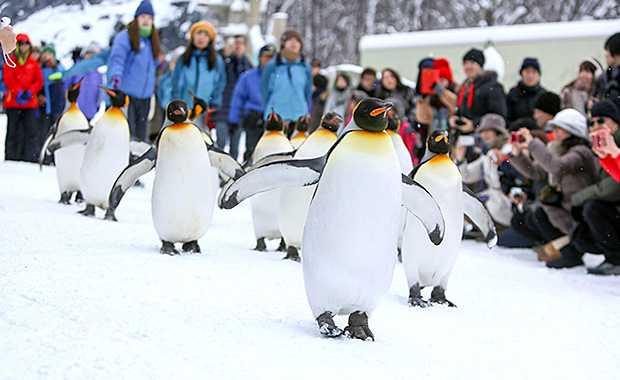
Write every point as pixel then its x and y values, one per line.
pixel 516 192
pixel 596 141
pixel 467 140
pixel 459 122
pixel 515 137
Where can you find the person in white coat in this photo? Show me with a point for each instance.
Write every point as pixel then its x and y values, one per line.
pixel 486 168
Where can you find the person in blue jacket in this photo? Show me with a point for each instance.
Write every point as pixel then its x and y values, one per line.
pixel 52 97
pixel 200 69
pixel 132 66
pixel 91 95
pixel 246 98
pixel 286 84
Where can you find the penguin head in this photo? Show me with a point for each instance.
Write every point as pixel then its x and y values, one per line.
pixel 274 122
pixel 177 111
pixel 439 142
pixel 74 91
pixel 393 121
pixel 200 106
pixel 303 124
pixel 331 121
pixel 117 97
pixel 370 114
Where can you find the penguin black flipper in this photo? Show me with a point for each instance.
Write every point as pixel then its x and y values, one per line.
pixel 225 163
pixel 475 210
pixel 423 206
pixel 276 157
pixel 48 139
pixel 128 177
pixel 290 173
pixel 74 137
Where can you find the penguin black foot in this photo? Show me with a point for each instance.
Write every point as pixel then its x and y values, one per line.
pixel 292 254
pixel 65 198
pixel 191 246
pixel 88 211
pixel 260 245
pixel 415 297
pixel 79 198
pixel 438 295
pixel 327 326
pixel 358 327
pixel 400 255
pixel 109 215
pixel 167 248
pixel 282 246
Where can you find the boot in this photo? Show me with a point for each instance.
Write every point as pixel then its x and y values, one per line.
pixel 571 257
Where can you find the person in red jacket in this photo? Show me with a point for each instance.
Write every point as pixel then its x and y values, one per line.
pixel 23 82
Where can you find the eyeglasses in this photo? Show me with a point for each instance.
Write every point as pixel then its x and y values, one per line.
pixel 600 120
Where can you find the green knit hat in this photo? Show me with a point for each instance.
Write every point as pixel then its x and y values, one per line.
pixel 50 48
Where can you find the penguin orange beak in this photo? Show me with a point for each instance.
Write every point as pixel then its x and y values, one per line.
pixel 108 91
pixel 77 85
pixel 177 112
pixel 378 111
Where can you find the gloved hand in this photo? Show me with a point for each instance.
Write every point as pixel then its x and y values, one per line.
pixel 23 97
pixel 577 213
pixel 55 76
pixel 116 82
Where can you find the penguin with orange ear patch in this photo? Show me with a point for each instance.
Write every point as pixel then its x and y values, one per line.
pixel 265 207
pixel 68 161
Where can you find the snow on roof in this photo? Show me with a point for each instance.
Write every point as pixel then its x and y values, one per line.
pixel 504 33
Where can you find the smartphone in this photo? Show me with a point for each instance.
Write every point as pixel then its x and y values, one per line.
pixel 596 141
pixel 467 140
pixel 428 77
pixel 515 138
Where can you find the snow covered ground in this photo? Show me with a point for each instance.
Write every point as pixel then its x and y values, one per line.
pixel 84 298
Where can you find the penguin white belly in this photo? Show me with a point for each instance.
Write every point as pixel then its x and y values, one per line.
pixel 406 166
pixel 295 201
pixel 349 242
pixel 425 263
pixel 68 160
pixel 182 203
pixel 266 206
pixel 105 157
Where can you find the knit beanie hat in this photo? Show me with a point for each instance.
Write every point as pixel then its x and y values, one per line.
pixel 571 121
pixel 474 55
pixel 203 25
pixel 443 66
pixel 530 62
pixel 548 102
pixel 145 8
pixel 50 48
pixel 291 33
pixel 492 122
pixel 606 108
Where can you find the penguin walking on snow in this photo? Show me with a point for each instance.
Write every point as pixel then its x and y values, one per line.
pixel 295 201
pixel 427 264
pixel 68 160
pixel 183 190
pixel 265 207
pixel 350 234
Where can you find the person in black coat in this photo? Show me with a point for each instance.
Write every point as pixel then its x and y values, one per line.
pixel 522 97
pixel 479 94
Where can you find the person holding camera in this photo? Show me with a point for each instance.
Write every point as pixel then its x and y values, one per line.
pixel 487 168
pixel 479 94
pixel 597 207
pixel 569 165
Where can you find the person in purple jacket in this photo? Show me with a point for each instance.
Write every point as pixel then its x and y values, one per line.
pixel 133 64
pixel 246 98
pixel 91 95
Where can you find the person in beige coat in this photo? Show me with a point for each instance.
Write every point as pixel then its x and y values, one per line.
pixel 486 168
pixel 569 165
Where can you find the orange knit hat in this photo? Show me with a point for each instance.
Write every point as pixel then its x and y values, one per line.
pixel 203 25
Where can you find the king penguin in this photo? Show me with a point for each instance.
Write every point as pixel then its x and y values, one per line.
pixel 426 264
pixel 68 160
pixel 106 154
pixel 183 190
pixel 301 131
pixel 350 235
pixel 265 207
pixel 295 201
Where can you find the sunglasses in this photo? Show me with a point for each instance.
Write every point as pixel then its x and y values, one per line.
pixel 600 120
pixel 23 43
